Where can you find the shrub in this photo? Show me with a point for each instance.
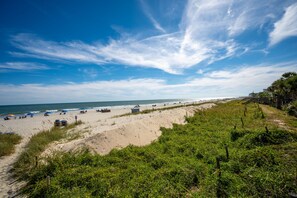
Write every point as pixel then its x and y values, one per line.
pixel 292 108
pixel 8 142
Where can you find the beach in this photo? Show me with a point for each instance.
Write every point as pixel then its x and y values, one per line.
pixel 99 132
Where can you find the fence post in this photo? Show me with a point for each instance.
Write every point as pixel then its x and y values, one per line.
pixel 267 131
pixel 262 114
pixel 36 161
pixel 219 185
pixel 48 181
pixel 227 151
pixel 242 123
pixel 218 165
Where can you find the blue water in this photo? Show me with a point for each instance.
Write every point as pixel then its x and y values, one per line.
pixel 20 109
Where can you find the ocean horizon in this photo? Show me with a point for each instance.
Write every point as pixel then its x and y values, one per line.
pixel 39 108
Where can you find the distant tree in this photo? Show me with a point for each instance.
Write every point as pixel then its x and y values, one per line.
pixel 281 93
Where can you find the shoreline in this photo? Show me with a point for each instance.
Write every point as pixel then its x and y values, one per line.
pixel 58 107
pixel 70 107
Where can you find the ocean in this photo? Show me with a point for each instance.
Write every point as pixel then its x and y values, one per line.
pixel 21 109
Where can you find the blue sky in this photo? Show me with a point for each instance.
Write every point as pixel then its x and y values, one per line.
pixel 71 51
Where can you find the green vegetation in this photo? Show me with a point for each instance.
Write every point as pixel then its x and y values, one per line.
pixel 160 109
pixel 233 149
pixel 282 94
pixel 28 159
pixel 8 142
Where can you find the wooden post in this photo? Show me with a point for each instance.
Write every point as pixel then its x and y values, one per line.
pixel 218 165
pixel 219 187
pixel 227 152
pixel 36 161
pixel 48 181
pixel 296 176
pixel 267 131
pixel 262 114
pixel 242 123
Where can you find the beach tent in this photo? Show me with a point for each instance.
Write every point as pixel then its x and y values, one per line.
pixel 9 116
pixel 47 113
pixel 135 109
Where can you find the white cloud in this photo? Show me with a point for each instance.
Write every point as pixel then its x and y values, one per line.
pixel 150 16
pixel 200 71
pixel 207 33
pixel 236 82
pixel 92 73
pixel 286 26
pixel 21 66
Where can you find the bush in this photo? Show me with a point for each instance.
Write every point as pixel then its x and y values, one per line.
pixel 292 108
pixel 264 138
pixel 7 143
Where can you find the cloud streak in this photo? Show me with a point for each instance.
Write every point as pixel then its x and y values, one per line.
pixel 286 26
pixel 207 33
pixel 236 82
pixel 147 12
pixel 21 66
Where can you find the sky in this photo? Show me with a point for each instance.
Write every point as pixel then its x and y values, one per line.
pixel 109 50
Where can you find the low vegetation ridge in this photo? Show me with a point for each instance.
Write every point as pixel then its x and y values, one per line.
pixel 234 149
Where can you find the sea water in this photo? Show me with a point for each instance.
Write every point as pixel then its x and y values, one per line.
pixel 21 109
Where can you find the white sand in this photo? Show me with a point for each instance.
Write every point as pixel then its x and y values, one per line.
pixel 100 132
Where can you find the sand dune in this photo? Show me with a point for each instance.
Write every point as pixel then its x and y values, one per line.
pixel 141 129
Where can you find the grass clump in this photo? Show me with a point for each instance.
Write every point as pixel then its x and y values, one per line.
pixel 146 111
pixel 28 160
pixel 186 161
pixel 8 142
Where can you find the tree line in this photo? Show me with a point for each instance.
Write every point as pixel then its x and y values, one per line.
pixel 281 94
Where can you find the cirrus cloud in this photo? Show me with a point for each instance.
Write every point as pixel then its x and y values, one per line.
pixel 21 66
pixel 207 33
pixel 286 26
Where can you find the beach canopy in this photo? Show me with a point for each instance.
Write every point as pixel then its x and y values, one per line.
pixel 10 115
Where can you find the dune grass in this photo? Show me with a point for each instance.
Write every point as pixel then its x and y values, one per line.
pixel 8 142
pixel 28 159
pixel 186 161
pixel 153 109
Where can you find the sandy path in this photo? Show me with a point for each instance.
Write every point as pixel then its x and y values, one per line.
pixel 100 132
pixel 8 185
